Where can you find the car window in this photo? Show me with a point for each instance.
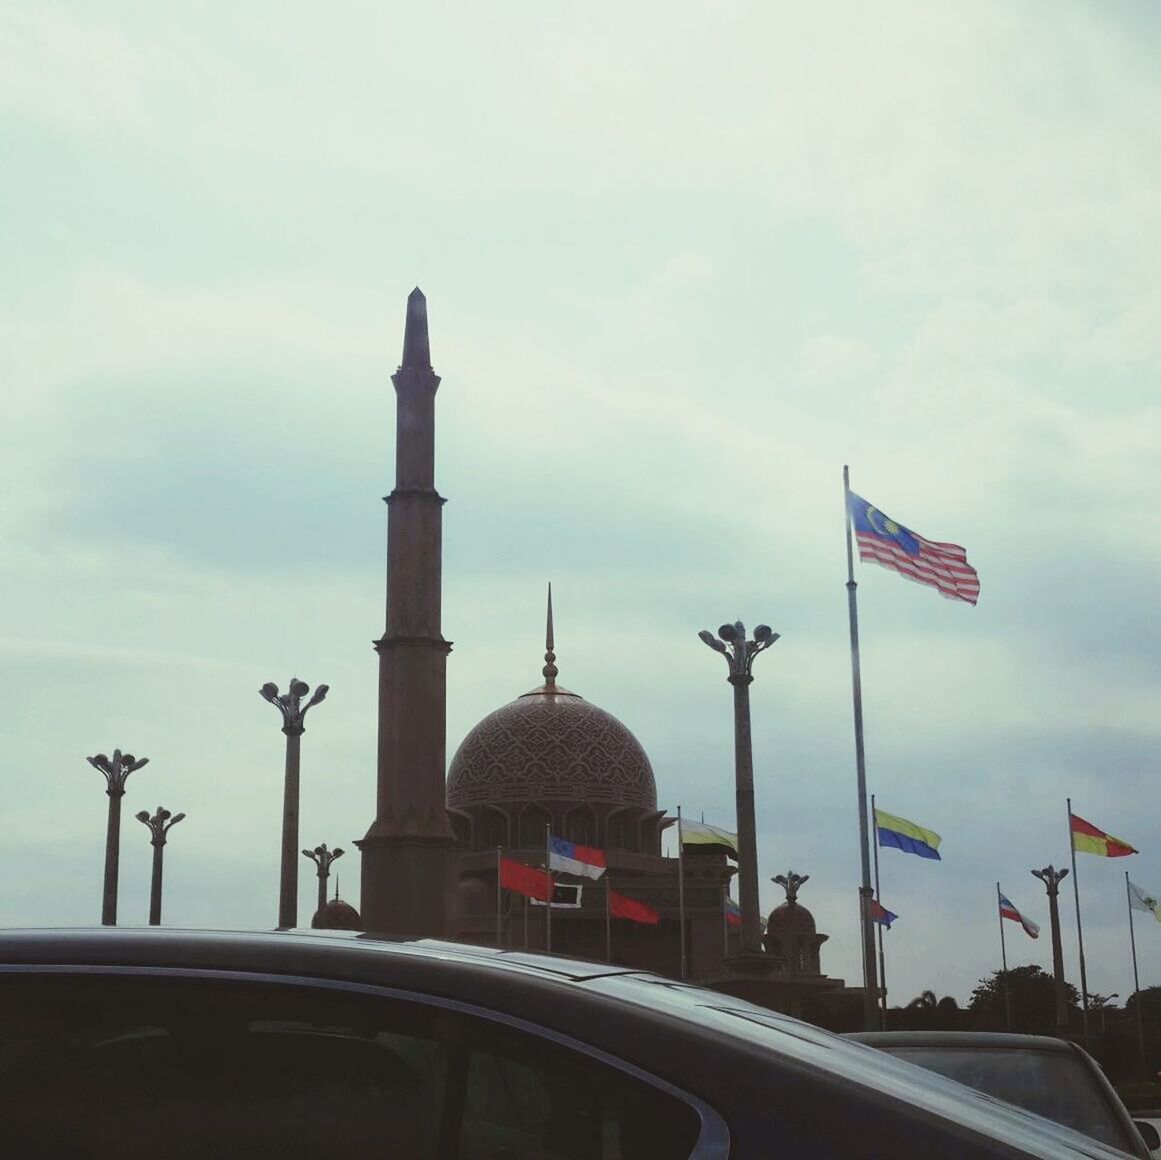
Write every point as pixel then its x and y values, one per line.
pixel 529 1098
pixel 164 1067
pixel 175 1068
pixel 1053 1084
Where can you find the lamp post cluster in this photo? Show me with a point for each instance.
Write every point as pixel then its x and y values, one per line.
pixel 322 859
pixel 740 653
pixel 293 709
pixel 292 706
pixel 1052 879
pixel 158 825
pixel 116 771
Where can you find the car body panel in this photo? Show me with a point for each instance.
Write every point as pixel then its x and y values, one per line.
pixel 768 1079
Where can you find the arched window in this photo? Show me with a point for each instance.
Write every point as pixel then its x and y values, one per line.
pixel 621 832
pixel 533 821
pixel 492 828
pixel 580 825
pixel 461 824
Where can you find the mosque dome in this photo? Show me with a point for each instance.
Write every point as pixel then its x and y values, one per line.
pixel 337 915
pixel 550 745
pixel 552 759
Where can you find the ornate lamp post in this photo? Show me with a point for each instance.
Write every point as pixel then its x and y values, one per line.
pixel 290 705
pixel 790 882
pixel 739 652
pixel 1052 880
pixel 116 774
pixel 322 858
pixel 159 826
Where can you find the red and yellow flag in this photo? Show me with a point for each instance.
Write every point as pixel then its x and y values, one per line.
pixel 1087 839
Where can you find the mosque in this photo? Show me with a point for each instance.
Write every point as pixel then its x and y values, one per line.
pixel 548 761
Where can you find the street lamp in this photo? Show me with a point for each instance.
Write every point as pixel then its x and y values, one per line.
pixel 739 652
pixel 116 774
pixel 290 705
pixel 158 825
pixel 1052 880
pixel 322 858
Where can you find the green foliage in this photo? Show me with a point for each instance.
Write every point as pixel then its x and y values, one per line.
pixel 926 1012
pixel 1150 1000
pixel 1032 995
pixel 1142 1095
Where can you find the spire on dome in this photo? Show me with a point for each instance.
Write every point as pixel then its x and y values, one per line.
pixel 550 670
pixel 416 345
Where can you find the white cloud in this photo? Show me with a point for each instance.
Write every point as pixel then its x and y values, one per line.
pixel 63 71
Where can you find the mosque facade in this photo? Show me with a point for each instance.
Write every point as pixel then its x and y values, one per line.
pixel 547 762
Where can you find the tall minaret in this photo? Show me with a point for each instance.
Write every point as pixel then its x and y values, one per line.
pixel 410 863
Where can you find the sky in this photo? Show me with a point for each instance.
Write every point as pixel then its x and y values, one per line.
pixel 682 262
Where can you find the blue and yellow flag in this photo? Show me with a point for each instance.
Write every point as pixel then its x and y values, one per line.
pixel 903 835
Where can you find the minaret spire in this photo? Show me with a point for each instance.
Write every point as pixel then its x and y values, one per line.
pixel 409 861
pixel 550 670
pixel 416 344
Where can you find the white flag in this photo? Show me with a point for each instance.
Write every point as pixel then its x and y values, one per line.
pixel 1142 900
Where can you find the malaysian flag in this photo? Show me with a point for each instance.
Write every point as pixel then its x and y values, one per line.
pixel 882 541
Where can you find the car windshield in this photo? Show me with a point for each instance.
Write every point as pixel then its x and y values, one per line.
pixel 1051 1084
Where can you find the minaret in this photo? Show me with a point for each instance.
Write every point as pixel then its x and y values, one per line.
pixel 410 860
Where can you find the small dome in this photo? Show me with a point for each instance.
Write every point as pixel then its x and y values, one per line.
pixel 550 745
pixel 790 917
pixel 337 915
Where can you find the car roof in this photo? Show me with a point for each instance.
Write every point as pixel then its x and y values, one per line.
pixel 273 950
pixel 967 1039
pixel 564 994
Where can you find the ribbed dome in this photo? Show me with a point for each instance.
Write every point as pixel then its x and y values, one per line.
pixel 790 917
pixel 550 745
pixel 337 915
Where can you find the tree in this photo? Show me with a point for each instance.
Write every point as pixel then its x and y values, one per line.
pixel 927 1013
pixel 1150 1001
pixel 1033 998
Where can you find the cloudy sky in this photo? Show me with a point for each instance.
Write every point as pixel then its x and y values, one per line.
pixel 683 261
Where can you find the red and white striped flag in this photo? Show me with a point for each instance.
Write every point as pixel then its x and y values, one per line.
pixel 942 566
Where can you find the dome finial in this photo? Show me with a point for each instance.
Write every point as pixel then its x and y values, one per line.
pixel 550 670
pixel 790 882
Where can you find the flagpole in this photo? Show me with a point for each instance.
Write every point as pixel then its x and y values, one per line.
pixel 882 960
pixel 608 923
pixel 499 893
pixel 725 921
pixel 1079 932
pixel 551 888
pixel 1136 977
pixel 868 935
pixel 1004 961
pixel 681 891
